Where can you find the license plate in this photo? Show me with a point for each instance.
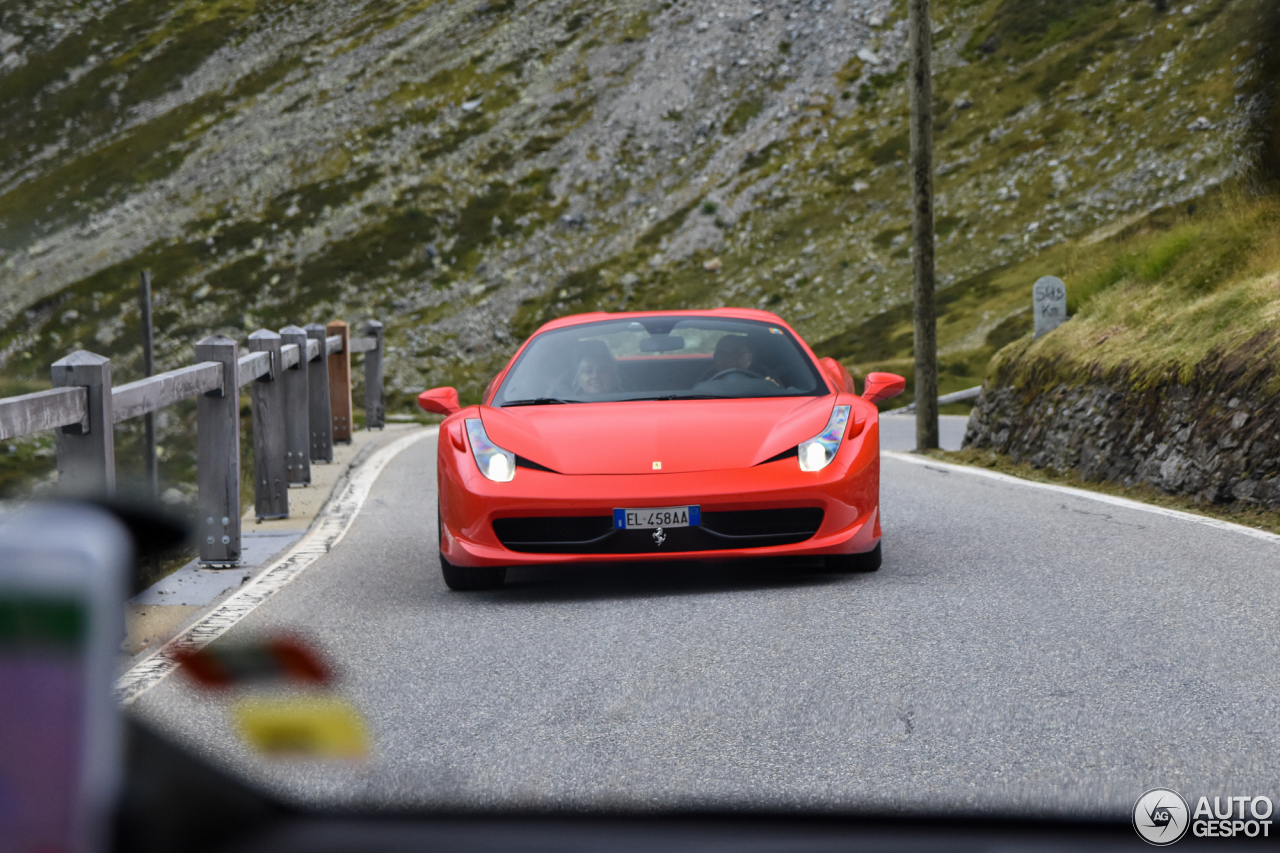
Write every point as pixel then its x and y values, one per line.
pixel 650 519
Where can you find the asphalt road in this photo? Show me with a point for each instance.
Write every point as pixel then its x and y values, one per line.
pixel 898 432
pixel 1020 651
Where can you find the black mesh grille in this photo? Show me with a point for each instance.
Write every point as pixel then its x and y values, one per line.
pixel 764 522
pixel 719 531
pixel 553 530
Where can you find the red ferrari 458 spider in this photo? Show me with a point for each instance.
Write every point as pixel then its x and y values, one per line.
pixel 665 435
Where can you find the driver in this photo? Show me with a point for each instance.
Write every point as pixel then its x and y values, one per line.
pixel 596 371
pixel 733 353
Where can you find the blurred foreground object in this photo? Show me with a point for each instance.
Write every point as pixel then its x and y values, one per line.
pixel 277 659
pixel 299 716
pixel 63 569
pixel 309 726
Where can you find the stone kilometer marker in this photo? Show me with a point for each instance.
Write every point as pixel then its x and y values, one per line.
pixel 1049 304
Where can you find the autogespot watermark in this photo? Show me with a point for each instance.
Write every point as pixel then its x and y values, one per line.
pixel 1161 816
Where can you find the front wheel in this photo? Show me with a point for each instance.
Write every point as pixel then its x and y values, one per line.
pixel 868 562
pixel 465 578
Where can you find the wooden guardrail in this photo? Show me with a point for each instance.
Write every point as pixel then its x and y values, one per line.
pixel 300 388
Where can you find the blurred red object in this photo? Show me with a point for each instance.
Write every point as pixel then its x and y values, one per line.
pixel 276 659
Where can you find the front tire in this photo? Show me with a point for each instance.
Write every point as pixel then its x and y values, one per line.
pixel 868 562
pixel 466 578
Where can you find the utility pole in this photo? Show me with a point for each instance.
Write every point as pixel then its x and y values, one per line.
pixel 926 320
pixel 149 368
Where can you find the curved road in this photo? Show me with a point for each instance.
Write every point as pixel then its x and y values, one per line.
pixel 1020 650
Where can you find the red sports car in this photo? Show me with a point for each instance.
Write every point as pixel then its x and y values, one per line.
pixel 658 436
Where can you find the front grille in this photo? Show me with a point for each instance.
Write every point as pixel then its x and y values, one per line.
pixel 555 530
pixel 719 531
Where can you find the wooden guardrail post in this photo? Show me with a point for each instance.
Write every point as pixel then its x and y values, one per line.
pixel 297 458
pixel 270 478
pixel 151 458
pixel 340 382
pixel 86 451
pixel 218 456
pixel 319 420
pixel 374 411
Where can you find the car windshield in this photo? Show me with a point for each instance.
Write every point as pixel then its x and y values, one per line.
pixel 647 358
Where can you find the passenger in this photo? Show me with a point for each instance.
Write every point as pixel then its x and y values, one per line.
pixel 596 372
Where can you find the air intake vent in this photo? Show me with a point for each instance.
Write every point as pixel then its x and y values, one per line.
pixel 719 531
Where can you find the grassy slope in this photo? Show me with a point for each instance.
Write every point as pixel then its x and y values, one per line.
pixel 1077 116
pixel 1184 288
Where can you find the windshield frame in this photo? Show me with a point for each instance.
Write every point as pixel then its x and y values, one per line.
pixel 659 324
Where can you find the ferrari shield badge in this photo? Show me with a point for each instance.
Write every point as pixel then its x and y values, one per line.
pixel 659 537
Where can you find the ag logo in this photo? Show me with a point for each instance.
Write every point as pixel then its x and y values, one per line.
pixel 1161 816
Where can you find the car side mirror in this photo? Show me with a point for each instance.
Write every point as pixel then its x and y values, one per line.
pixel 440 401
pixel 882 386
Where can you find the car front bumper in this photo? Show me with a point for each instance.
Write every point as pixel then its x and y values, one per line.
pixel 847 492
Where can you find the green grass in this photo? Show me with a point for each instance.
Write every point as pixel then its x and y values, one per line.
pixel 1020 29
pixel 744 112
pixel 1176 293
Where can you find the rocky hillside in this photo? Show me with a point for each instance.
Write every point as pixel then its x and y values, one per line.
pixel 465 169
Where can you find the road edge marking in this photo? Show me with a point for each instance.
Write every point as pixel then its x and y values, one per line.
pixel 1127 503
pixel 330 526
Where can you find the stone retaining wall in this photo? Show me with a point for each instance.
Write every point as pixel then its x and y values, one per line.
pixel 1219 446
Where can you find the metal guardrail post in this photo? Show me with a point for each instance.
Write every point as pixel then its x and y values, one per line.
pixel 86 451
pixel 270 478
pixel 297 458
pixel 319 423
pixel 956 397
pixel 218 457
pixel 374 411
pixel 340 383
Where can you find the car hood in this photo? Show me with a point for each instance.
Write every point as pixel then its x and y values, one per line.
pixel 682 435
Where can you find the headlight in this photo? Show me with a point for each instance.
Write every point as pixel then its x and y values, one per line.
pixel 817 452
pixel 494 462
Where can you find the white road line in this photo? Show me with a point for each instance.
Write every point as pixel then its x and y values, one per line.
pixel 331 525
pixel 1082 493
